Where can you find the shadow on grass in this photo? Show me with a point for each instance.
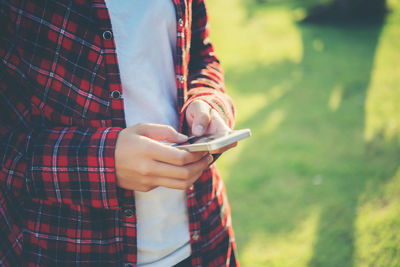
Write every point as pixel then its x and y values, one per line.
pixel 307 154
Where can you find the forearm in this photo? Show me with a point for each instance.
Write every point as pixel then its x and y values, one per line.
pixel 206 77
pixel 65 164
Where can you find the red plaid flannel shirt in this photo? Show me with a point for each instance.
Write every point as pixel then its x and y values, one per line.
pixel 61 110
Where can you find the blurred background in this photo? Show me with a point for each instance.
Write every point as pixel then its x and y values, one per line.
pixel 318 83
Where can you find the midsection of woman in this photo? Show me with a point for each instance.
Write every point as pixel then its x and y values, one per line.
pixel 145 37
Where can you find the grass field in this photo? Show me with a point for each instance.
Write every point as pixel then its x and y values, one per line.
pixel 318 184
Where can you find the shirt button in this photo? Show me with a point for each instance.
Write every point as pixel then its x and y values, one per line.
pixel 107 35
pixel 115 94
pixel 181 79
pixel 128 213
pixel 195 236
pixel 191 188
pixel 180 21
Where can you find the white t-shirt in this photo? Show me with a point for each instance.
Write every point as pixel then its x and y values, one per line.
pixel 145 37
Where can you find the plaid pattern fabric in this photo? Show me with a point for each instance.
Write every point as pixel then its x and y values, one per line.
pixel 60 115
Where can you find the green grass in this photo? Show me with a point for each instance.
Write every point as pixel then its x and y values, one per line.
pixel 318 183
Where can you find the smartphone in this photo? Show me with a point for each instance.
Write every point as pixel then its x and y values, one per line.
pixel 213 141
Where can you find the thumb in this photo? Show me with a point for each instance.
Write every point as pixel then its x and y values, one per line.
pixel 160 132
pixel 201 119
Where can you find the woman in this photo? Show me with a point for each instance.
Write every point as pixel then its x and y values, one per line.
pixel 85 179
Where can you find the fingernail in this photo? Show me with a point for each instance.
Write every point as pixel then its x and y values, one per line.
pixel 182 137
pixel 198 130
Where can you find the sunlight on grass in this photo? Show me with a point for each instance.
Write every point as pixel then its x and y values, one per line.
pixel 318 45
pixel 257 100
pixel 299 14
pixel 377 226
pixel 292 249
pixel 335 98
pixel 383 98
pixel 272 122
pixel 318 183
pixel 262 38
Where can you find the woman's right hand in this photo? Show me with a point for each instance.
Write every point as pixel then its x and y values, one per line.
pixel 143 163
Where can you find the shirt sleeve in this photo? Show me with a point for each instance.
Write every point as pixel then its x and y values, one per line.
pixel 49 161
pixel 72 165
pixel 206 78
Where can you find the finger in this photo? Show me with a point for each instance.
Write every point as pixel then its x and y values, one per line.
pixel 143 188
pixel 160 132
pixel 181 184
pixel 217 124
pixel 137 184
pixel 168 154
pixel 221 124
pixel 201 117
pixel 223 149
pixel 186 172
pixel 171 182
